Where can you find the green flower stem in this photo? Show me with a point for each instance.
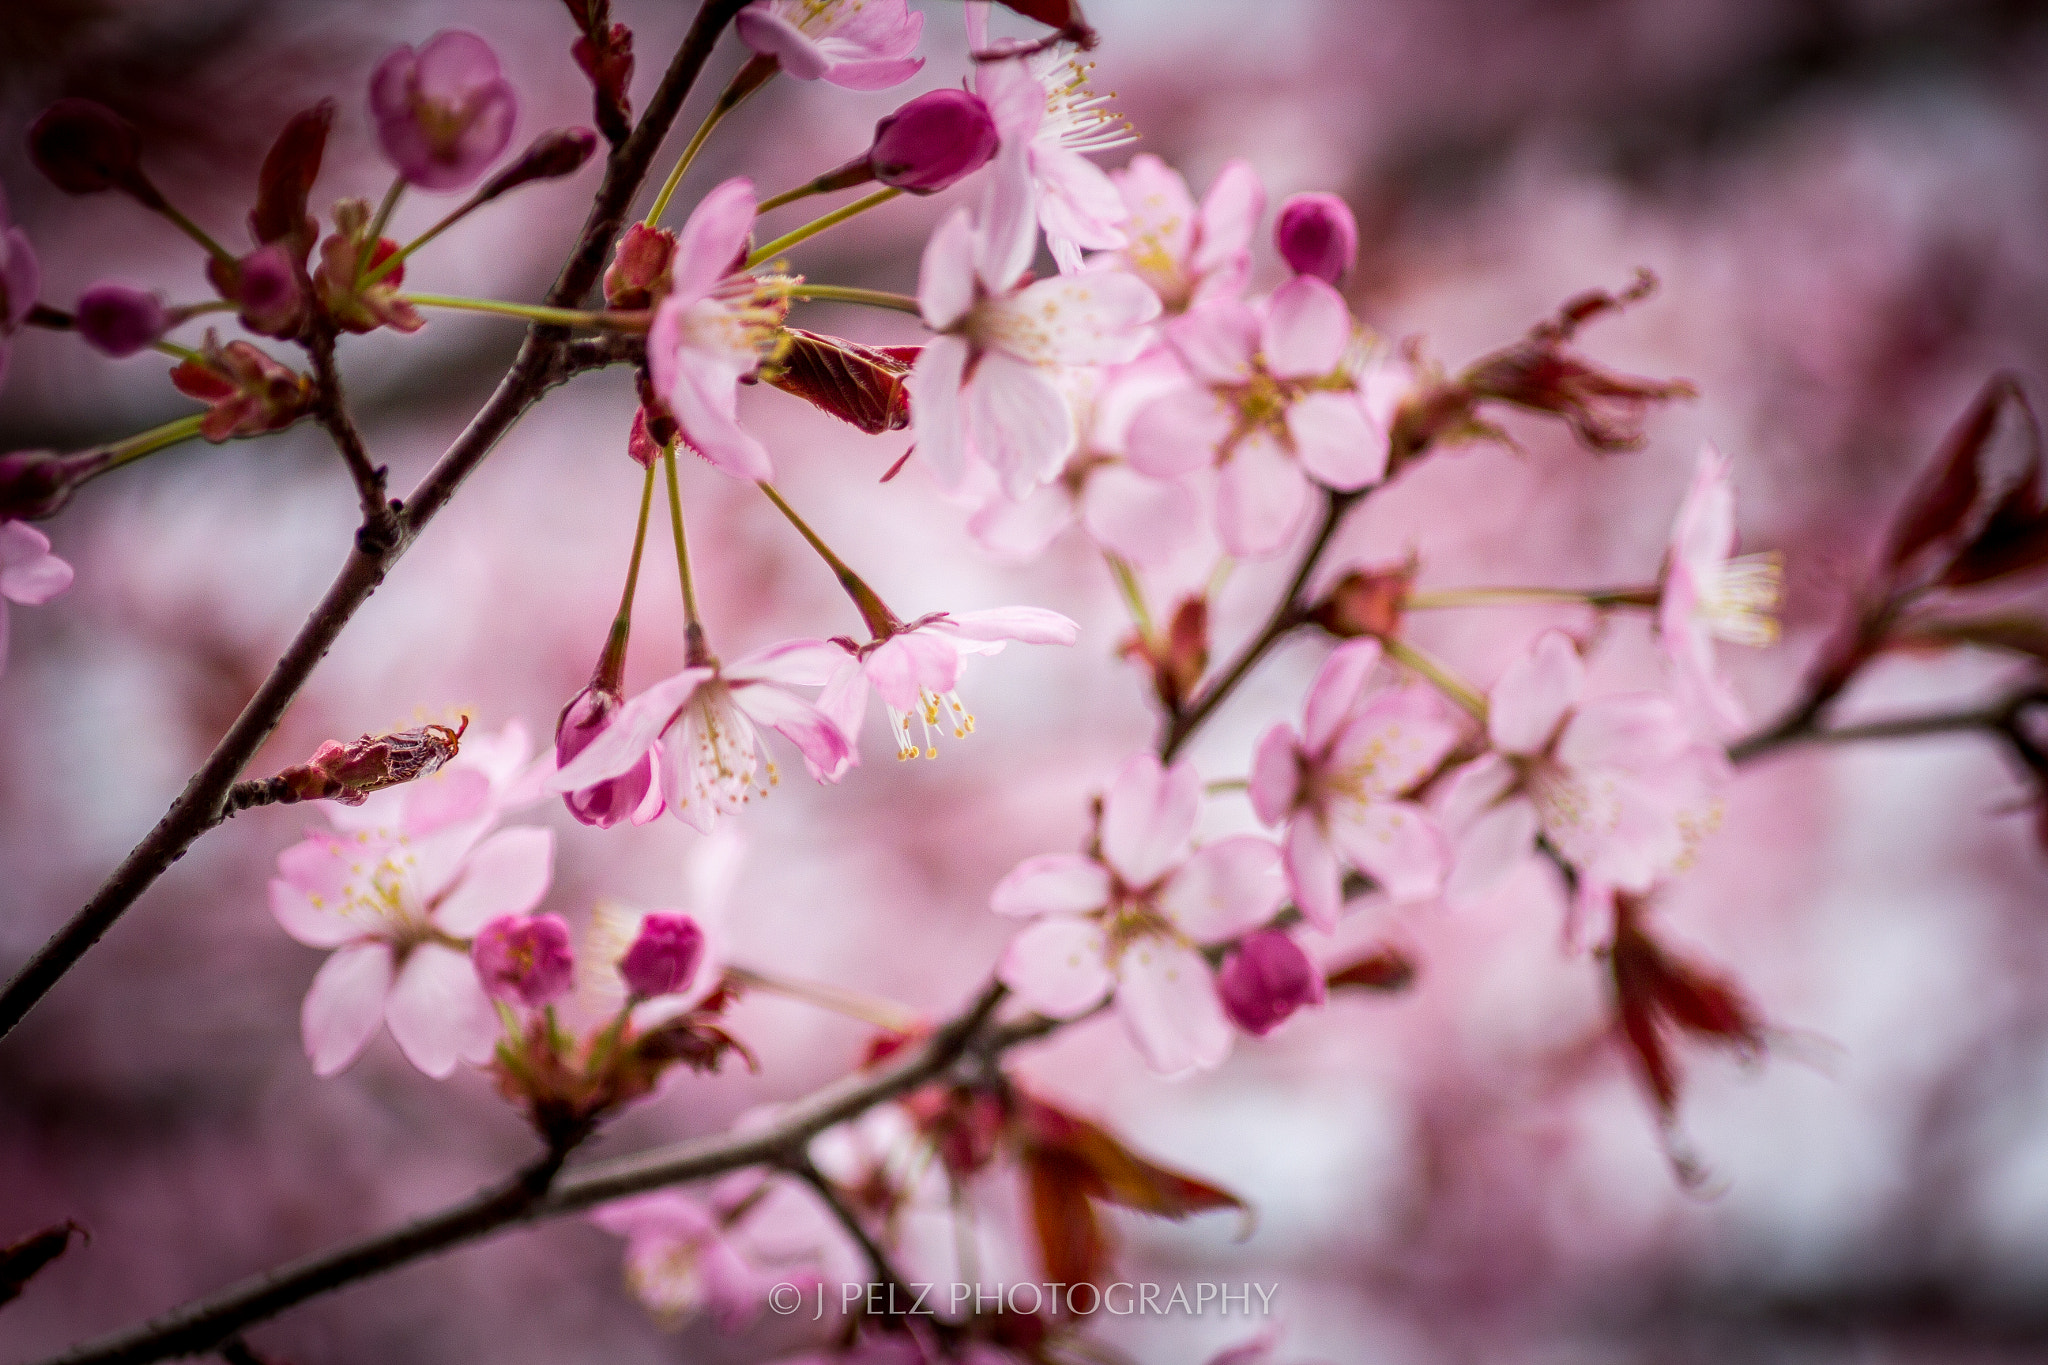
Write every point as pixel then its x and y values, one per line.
pixel 881 622
pixel 612 666
pixel 818 225
pixel 1445 681
pixel 376 233
pixel 883 1014
pixel 635 321
pixel 840 293
pixel 1506 597
pixel 151 441
pixel 750 78
pixel 1133 592
pixel 199 235
pixel 693 627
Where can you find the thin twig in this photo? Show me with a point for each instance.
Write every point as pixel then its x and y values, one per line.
pixel 894 1283
pixel 380 529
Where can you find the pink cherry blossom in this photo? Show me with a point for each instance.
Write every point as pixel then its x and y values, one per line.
pixel 119 320
pixel 443 113
pixel 1708 595
pixel 1140 519
pixel 1342 785
pixel 682 1260
pixel 29 573
pixel 398 906
pixel 857 44
pixel 704 721
pixel 916 670
pixel 986 387
pixel 634 795
pixel 1274 400
pixel 20 279
pixel 1133 920
pixel 1618 785
pixel 524 959
pixel 1188 255
pixel 712 331
pixel 664 956
pixel 1049 120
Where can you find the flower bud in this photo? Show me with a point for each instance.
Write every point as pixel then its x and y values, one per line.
pixel 35 484
pixel 119 320
pixel 552 156
pixel 1266 978
pixel 638 274
pixel 938 138
pixel 85 147
pixel 588 715
pixel 265 286
pixel 664 958
pixel 1317 236
pixel 1366 602
pixel 524 959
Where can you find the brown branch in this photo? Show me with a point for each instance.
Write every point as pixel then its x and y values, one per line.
pixel 380 529
pixel 2002 720
pixel 202 804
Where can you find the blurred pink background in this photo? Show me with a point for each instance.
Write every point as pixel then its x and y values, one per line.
pixel 1847 202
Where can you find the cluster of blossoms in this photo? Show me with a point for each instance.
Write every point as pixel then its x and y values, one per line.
pixel 1145 395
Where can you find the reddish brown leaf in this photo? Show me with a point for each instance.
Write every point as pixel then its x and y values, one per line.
pixel 1385 969
pixel 1072 1242
pixel 286 181
pixel 1942 500
pixel 859 384
pixel 1114 1173
pixel 2013 634
pixel 20 1261
pixel 1656 991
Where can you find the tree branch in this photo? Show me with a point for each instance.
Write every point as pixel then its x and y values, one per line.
pixel 540 362
pixel 380 529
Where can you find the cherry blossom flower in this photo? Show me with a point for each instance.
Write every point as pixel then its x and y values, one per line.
pixel 1140 519
pixel 1134 919
pixel 635 794
pixel 524 959
pixel 1188 255
pixel 443 113
pixel 713 330
pixel 664 956
pixel 856 44
pixel 398 908
pixel 1709 596
pixel 916 669
pixel 682 1261
pixel 986 386
pixel 29 573
pixel 704 721
pixel 1342 784
pixel 1618 785
pixel 1049 118
pixel 20 279
pixel 1272 399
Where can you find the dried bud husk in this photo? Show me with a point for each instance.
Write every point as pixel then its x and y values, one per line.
pixel 349 773
pixel 1656 993
pixel 35 484
pixel 861 385
pixel 604 53
pixel 1366 602
pixel 85 147
pixel 638 276
pixel 1385 969
pixel 1063 15
pixel 1177 659
pixel 370 306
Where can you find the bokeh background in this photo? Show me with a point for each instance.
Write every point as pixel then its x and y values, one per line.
pixel 1847 202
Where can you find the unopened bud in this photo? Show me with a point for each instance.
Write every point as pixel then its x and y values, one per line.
pixel 524 959
pixel 35 484
pixel 935 140
pixel 1366 602
pixel 553 155
pixel 85 147
pixel 265 287
pixel 664 958
pixel 119 320
pixel 590 713
pixel 1266 978
pixel 639 268
pixel 1317 235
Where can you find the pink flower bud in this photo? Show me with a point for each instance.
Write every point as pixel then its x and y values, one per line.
pixel 443 113
pixel 588 715
pixel 119 320
pixel 35 484
pixel 664 958
pixel 1317 236
pixel 639 272
pixel 552 156
pixel 524 959
pixel 265 287
pixel 1266 978
pixel 936 139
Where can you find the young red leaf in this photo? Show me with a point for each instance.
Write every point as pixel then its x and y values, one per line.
pixel 859 384
pixel 1385 969
pixel 1656 992
pixel 1072 1242
pixel 286 181
pixel 1114 1173
pixel 1942 501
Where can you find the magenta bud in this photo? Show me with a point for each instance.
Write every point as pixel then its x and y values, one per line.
pixel 664 958
pixel 933 141
pixel 552 156
pixel 120 320
pixel 35 484
pixel 85 147
pixel 588 715
pixel 1266 978
pixel 443 113
pixel 524 959
pixel 1317 236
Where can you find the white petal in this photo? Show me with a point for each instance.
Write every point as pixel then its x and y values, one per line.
pixel 1167 997
pixel 438 1011
pixel 1227 888
pixel 345 1005
pixel 1052 884
pixel 1532 697
pixel 506 875
pixel 1148 818
pixel 1056 967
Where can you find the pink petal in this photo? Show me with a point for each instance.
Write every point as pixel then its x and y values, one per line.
pixel 844 702
pixel 438 1012
pixel 1395 843
pixel 1096 318
pixel 344 1005
pixel 824 748
pixel 633 732
pixel 1216 341
pixel 1635 731
pixel 1230 216
pixel 506 875
pixel 1473 789
pixel 1166 995
pixel 1336 442
pixel 1276 774
pixel 945 277
pixel 1015 98
pixel 771 35
pixel 449 797
pixel 937 426
pixel 1336 690
pixel 1704 535
pixel 1056 967
pixel 875 75
pixel 705 401
pixel 1307 329
pixel 1313 873
pixel 313 914
pixel 1227 888
pixel 29 573
pixel 1077 204
pixel 793 663
pixel 1491 847
pixel 892 668
pixel 1148 818
pixel 1052 884
pixel 1031 625
pixel 1021 531
pixel 712 240
pixel 1009 217
pixel 1018 421
pixel 1261 497
pixel 1529 702
pixel 1391 743
pixel 1144 520
pixel 1179 432
pixel 666 1215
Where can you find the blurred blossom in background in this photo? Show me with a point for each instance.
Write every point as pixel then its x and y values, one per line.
pixel 1847 203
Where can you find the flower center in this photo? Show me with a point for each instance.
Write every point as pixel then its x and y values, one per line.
pixel 1740 604
pixel 720 752
pixel 1075 116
